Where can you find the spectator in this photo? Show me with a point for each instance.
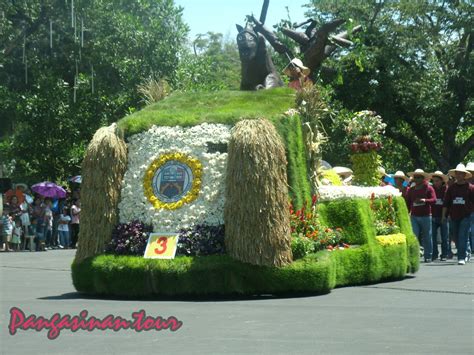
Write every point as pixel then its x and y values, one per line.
pixel 16 236
pixel 419 199
pixel 48 223
pixel 7 228
pixel 38 218
pixel 459 200
pixel 25 210
pixel 75 217
pixel 400 180
pixel 63 228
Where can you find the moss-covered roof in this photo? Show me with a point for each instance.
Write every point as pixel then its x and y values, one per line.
pixel 189 109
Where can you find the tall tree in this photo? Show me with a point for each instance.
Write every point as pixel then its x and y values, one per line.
pixel 413 64
pixel 69 66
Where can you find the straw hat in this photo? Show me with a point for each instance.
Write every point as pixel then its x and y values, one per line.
pixel 297 63
pixel 400 174
pixel 419 172
pixel 470 167
pixel 343 171
pixel 382 171
pixel 462 169
pixel 439 174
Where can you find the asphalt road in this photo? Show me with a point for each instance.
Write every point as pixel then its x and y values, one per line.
pixel 429 313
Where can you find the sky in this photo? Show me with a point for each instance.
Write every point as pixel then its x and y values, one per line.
pixel 221 15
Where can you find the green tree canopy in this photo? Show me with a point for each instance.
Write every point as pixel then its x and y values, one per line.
pixel 413 65
pixel 68 67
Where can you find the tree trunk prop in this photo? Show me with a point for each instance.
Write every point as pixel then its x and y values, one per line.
pixel 315 44
pixel 103 169
pixel 256 213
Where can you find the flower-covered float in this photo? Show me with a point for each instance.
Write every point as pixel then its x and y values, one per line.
pixel 227 172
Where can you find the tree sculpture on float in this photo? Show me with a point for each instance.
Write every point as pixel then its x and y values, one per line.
pixel 258 71
pixel 316 44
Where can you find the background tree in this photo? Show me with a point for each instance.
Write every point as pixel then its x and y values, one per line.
pixel 413 65
pixel 69 67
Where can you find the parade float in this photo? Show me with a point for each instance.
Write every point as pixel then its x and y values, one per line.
pixel 219 193
pixel 226 173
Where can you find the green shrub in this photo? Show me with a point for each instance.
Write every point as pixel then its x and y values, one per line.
pixel 301 246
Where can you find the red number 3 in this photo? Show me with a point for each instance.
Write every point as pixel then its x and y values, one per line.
pixel 161 243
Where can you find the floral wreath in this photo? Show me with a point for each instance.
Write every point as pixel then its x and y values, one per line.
pixel 196 168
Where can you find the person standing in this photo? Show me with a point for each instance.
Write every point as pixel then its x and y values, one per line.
pixel 459 199
pixel 400 181
pixel 439 181
pixel 63 228
pixel 75 217
pixel 420 197
pixel 470 168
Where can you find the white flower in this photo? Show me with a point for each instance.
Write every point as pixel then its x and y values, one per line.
pixel 329 193
pixel 144 147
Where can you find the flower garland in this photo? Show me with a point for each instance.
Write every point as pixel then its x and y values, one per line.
pixel 144 152
pixel 329 193
pixel 196 168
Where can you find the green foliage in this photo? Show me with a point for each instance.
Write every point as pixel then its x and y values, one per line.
pixel 384 216
pixel 123 43
pixel 301 246
pixel 213 65
pixel 331 176
pixel 412 63
pixel 350 214
pixel 192 108
pixel 289 128
pixel 365 167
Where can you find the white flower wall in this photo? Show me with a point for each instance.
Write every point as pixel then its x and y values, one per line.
pixel 145 147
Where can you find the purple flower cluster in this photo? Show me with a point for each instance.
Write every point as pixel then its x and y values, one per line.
pixel 129 239
pixel 201 240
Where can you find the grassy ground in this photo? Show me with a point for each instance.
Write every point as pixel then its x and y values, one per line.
pixel 188 109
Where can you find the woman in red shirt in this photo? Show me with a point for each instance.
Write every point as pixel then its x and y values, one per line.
pixel 459 199
pixel 419 200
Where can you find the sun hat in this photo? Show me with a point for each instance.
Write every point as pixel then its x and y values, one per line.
pixel 462 169
pixel 297 63
pixel 382 171
pixel 400 174
pixel 343 171
pixel 419 172
pixel 439 174
pixel 470 167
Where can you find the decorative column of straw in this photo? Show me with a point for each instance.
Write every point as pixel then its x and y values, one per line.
pixel 256 214
pixel 102 173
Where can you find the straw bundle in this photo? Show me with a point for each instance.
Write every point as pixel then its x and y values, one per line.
pixel 103 168
pixel 257 220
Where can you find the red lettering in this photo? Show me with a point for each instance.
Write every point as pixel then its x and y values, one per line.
pixel 17 317
pixel 162 241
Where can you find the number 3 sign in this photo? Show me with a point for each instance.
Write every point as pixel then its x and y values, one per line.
pixel 161 246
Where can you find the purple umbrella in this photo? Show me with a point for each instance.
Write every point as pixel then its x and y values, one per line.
pixel 49 189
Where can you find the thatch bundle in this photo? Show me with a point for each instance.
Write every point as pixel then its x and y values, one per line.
pixel 103 168
pixel 257 220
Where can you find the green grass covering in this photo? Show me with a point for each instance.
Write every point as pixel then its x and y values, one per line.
pixel 135 277
pixel 403 221
pixel 350 214
pixel 291 131
pixel 189 109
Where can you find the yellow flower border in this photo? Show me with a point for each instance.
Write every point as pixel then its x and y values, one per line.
pixel 391 239
pixel 194 164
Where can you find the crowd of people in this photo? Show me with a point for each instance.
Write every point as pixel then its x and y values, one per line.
pixel 33 222
pixel 444 204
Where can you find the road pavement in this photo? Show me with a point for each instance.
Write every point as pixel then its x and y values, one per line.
pixel 430 312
